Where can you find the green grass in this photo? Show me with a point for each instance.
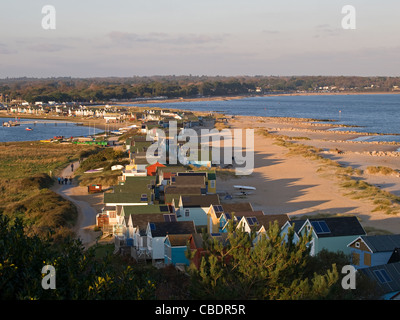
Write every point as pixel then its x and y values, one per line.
pixel 26 159
pixel 106 178
pixel 26 170
pixel 104 158
pixel 103 250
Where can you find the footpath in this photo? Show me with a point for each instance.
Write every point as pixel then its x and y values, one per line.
pixel 84 203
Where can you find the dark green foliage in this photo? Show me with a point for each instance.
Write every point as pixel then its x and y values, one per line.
pixel 245 266
pixel 269 270
pixel 79 275
pixel 233 269
pixel 365 288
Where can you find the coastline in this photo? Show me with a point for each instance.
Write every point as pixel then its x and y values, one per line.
pixel 101 124
pixel 98 123
pixel 291 183
pixel 299 186
pixel 238 97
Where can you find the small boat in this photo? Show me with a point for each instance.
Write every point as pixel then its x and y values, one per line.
pixel 28 129
pixel 11 124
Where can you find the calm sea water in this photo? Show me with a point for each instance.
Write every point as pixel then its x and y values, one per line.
pixel 367 113
pixel 42 131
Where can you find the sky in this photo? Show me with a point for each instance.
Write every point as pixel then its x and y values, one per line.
pixel 124 38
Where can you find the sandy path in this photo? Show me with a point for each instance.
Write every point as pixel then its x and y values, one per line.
pixel 87 206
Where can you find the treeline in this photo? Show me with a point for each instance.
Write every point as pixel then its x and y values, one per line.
pixel 105 89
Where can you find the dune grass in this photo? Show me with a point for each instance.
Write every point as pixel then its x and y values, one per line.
pixel 381 170
pixel 349 178
pixel 26 176
pixel 384 200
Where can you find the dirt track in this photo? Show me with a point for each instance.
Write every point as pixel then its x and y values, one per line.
pixel 87 205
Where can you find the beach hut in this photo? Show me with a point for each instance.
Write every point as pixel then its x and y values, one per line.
pixel 158 231
pixel 332 234
pixel 369 251
pixel 175 247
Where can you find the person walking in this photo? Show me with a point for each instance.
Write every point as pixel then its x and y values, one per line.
pixel 59 180
pixel 72 167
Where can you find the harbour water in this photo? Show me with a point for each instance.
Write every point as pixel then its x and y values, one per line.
pixel 373 113
pixel 42 130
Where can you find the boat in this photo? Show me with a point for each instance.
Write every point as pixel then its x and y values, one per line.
pixel 94 170
pixel 28 129
pixel 244 190
pixel 11 124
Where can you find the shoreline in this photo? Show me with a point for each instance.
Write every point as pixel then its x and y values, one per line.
pixel 101 124
pixel 153 104
pixel 239 97
pixel 294 124
pixel 97 123
pixel 292 183
pixel 310 125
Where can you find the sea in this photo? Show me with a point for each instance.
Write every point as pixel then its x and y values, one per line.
pixel 42 130
pixel 372 113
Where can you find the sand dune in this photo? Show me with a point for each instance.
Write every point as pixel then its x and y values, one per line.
pixel 296 185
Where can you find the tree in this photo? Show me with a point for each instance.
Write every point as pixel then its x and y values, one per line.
pixel 79 275
pixel 269 269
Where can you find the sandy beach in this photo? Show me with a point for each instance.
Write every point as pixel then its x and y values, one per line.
pixel 295 185
pixel 236 97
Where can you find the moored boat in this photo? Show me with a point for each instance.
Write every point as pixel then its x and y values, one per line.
pixel 11 124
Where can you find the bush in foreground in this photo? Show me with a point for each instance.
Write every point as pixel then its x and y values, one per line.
pixel 79 275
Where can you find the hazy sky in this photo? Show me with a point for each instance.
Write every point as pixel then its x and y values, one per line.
pixel 200 37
